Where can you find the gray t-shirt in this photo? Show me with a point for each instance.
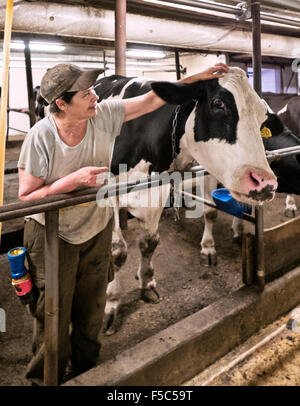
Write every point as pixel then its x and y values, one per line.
pixel 46 156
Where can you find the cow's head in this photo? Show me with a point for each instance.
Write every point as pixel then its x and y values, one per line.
pixel 287 169
pixel 223 132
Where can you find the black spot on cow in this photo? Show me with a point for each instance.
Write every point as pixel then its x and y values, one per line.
pixel 216 111
pixel 218 118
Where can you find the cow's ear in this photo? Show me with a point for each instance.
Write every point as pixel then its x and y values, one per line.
pixel 274 125
pixel 178 93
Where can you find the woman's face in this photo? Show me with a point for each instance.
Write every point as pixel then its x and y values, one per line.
pixel 83 105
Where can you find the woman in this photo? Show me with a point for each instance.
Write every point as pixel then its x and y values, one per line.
pixel 71 148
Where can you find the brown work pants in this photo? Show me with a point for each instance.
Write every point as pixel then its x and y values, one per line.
pixel 84 272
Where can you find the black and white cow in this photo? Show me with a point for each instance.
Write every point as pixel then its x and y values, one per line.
pixel 218 125
pixel 275 136
pixel 290 115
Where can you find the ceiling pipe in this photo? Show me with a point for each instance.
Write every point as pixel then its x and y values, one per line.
pixel 207 5
pixel 237 11
pixel 88 22
pixel 286 4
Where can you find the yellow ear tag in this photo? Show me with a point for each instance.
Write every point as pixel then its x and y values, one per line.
pixel 265 132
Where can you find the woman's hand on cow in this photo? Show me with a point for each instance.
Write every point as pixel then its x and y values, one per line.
pixel 214 72
pixel 91 176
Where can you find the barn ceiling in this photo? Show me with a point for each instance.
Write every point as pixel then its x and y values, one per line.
pixel 167 9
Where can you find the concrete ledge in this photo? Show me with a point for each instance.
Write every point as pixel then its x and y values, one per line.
pixel 186 348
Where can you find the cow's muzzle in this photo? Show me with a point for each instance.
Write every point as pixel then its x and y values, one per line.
pixel 266 193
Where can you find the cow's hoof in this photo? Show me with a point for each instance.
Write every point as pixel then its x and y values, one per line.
pixel 150 295
pixel 289 213
pixel 209 259
pixel 111 323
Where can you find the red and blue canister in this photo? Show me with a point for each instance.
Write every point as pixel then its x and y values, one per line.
pixel 21 279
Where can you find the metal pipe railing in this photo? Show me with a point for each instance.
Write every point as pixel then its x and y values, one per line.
pixel 21 209
pixel 279 153
pixel 209 203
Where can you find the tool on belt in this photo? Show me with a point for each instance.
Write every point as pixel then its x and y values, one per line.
pixel 21 279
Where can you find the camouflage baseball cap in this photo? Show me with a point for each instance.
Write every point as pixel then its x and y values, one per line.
pixel 67 78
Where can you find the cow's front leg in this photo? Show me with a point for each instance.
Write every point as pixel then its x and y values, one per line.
pixel 148 215
pixel 112 316
pixel 145 274
pixel 238 229
pixel 208 251
pixel 290 207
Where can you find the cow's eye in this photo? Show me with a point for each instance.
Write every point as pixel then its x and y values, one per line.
pixel 218 104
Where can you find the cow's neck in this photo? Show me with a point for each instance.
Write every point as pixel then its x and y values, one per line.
pixel 181 156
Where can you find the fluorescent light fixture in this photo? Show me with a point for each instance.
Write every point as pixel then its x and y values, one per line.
pixel 35 46
pixel 147 63
pixel 144 54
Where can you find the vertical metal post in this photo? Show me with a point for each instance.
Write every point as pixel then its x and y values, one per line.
pixel 120 37
pixel 260 249
pixel 29 83
pixel 259 211
pixel 256 45
pixel 51 298
pixel 177 62
pixel 281 79
pixel 104 62
pixel 120 64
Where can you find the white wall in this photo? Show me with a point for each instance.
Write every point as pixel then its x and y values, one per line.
pixel 18 97
pixel 195 63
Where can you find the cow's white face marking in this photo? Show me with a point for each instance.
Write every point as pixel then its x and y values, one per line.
pixel 229 163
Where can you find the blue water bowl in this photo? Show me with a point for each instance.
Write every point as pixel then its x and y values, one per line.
pixel 224 201
pixel 16 258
